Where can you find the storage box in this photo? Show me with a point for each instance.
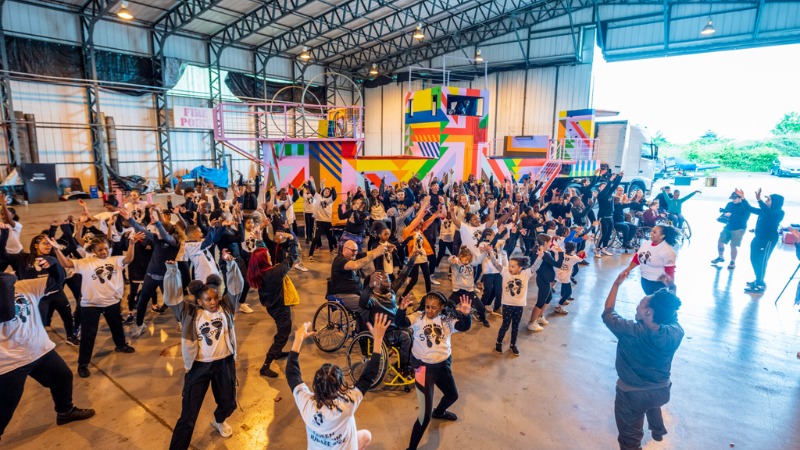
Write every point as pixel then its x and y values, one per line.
pixel 683 181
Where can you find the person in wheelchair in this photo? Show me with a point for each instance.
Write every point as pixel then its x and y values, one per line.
pixel 626 229
pixel 652 214
pixel 345 281
pixel 380 297
pixel 675 206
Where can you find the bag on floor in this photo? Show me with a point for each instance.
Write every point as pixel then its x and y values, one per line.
pixel 173 287
pixel 290 295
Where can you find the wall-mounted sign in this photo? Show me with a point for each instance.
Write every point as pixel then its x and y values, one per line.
pixel 190 117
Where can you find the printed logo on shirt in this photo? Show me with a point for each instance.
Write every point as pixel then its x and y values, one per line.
pixel 210 331
pixel 250 244
pixel 318 419
pixel 22 308
pixel 466 270
pixel 644 257
pixel 514 287
pixel 432 333
pixel 476 235
pixel 104 273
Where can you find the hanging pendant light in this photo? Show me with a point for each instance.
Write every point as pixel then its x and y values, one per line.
pixel 374 70
pixel 708 29
pixel 478 57
pixel 305 55
pixel 123 12
pixel 418 34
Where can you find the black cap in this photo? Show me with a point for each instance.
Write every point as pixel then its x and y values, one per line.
pixel 734 196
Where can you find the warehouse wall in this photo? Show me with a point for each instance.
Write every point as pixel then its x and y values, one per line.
pixel 522 102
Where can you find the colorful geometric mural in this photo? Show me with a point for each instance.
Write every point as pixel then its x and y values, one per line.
pixel 576 132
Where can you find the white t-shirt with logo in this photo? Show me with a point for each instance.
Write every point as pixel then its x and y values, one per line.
pixel 212 335
pixel 14 245
pixel 515 287
pixel 23 339
pixel 329 428
pixel 564 273
pixel 202 261
pixel 653 259
pixel 102 283
pixel 431 337
pixel 447 231
pixel 471 235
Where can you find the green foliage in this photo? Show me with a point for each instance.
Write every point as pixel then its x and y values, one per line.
pixel 748 158
pixel 709 136
pixel 790 124
pixel 660 140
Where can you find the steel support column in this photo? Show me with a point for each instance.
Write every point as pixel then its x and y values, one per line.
pixel 160 98
pixel 6 101
pixel 215 79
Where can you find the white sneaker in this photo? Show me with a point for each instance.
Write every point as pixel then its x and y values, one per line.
pixel 299 266
pixel 137 331
pixel 542 321
pixel 598 254
pixel 606 252
pixel 434 282
pixel 533 326
pixel 224 429
pixel 244 308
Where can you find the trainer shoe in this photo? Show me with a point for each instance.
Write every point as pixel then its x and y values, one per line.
pixel 732 265
pixel 606 252
pixel 717 260
pixel 73 414
pixel 498 348
pixel 447 415
pixel 434 282
pixel 244 308
pixel 72 340
pixel 583 262
pixel 224 429
pixel 542 321
pixel 137 330
pixel 560 310
pixel 533 326
pixel 598 254
pixel 514 350
pixel 485 323
pixel 130 319
pixel 83 372
pixel 124 349
pixel 299 266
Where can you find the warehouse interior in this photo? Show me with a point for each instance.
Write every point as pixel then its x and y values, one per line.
pixel 90 90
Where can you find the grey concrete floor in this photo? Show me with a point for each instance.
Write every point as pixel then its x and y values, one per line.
pixel 735 377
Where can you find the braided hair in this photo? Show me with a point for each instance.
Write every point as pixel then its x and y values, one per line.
pixel 329 386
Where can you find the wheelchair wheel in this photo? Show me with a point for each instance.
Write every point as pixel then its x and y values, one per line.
pixel 358 355
pixel 686 230
pixel 331 326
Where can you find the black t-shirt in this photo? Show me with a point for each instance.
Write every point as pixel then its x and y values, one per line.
pixel 344 281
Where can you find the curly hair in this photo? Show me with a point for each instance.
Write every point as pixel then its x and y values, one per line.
pixel 329 386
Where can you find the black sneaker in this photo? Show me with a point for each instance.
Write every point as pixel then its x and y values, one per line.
pixel 163 308
pixel 498 348
pixel 74 341
pixel 755 289
pixel 125 349
pixel 83 372
pixel 583 263
pixel 130 319
pixel 485 323
pixel 717 260
pixel 514 350
pixel 73 415
pixel 657 437
pixel 573 280
pixel 267 372
pixel 447 415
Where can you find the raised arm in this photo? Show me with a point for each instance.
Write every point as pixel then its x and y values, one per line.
pixel 63 260
pixel 371 256
pixel 131 245
pixel 378 330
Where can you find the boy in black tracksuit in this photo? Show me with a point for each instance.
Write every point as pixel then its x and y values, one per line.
pixel 606 210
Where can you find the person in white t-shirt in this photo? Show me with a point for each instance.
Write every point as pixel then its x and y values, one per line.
pixel 26 350
pixel 9 217
pixel 516 275
pixel 462 271
pixel 329 410
pixel 564 276
pixel 656 260
pixel 196 248
pixel 431 356
pixel 102 286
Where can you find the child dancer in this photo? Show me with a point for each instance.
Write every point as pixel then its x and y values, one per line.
pixel 516 275
pixel 545 276
pixel 462 269
pixel 564 276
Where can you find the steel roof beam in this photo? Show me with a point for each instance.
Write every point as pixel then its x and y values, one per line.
pixel 266 14
pixel 182 13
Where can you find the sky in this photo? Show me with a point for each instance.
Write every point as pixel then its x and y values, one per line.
pixel 738 94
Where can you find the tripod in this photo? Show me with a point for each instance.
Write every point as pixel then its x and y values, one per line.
pixel 796 300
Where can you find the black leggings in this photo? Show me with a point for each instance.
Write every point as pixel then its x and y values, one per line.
pixel 492 290
pixel 439 375
pixel 148 291
pixel 440 255
pixel 322 227
pixel 545 294
pixel 511 318
pixel 50 371
pixel 566 292
pixel 760 251
pixel 90 318
pixel 308 226
pixel 57 301
pixel 607 225
pixel 426 274
pixel 221 375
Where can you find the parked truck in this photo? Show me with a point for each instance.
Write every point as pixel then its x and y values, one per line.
pixel 629 148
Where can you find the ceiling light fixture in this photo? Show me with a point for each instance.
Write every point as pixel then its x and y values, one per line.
pixel 478 57
pixel 418 34
pixel 373 70
pixel 123 12
pixel 708 29
pixel 305 55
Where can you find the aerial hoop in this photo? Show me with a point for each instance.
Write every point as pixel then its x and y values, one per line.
pixel 344 127
pixel 301 109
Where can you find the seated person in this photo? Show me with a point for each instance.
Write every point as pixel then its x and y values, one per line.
pixel 626 229
pixel 652 215
pixel 345 281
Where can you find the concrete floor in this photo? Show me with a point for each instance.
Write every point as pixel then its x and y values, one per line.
pixel 734 377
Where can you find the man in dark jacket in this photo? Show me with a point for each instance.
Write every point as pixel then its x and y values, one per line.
pixel 645 349
pixel 770 214
pixel 736 214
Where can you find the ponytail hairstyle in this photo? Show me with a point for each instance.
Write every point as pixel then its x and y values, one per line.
pixel 260 262
pixel 543 239
pixel 213 284
pixel 521 262
pixel 670 234
pixel 465 252
pixel 487 235
pixel 329 386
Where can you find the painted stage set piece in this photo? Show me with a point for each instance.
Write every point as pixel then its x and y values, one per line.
pixel 445 128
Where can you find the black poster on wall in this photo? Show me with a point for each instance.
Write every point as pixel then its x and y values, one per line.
pixel 40 182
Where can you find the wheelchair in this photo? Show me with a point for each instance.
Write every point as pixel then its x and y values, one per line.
pixel 616 239
pixel 390 370
pixel 684 233
pixel 334 324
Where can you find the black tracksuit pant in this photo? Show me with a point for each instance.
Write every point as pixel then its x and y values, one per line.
pixel 90 319
pixel 57 301
pixel 282 315
pixel 760 250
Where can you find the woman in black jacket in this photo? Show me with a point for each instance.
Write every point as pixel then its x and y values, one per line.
pixel 770 214
pixel 268 279
pixel 552 258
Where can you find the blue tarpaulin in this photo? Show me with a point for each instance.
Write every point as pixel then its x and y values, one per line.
pixel 217 176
